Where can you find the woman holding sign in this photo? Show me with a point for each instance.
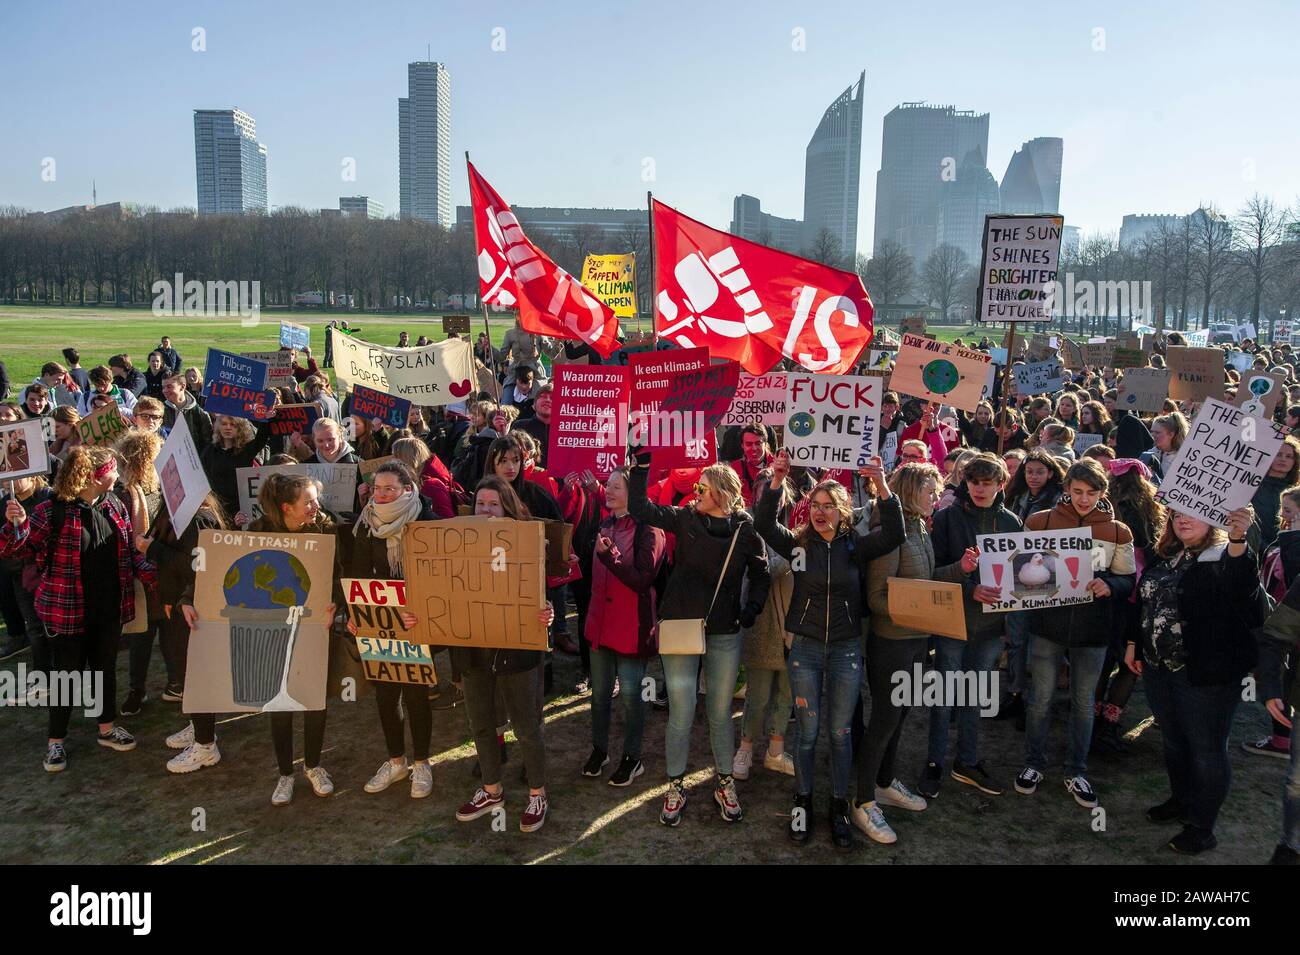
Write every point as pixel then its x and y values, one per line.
pixel 82 544
pixel 716 548
pixel 236 443
pixel 291 504
pixel 827 557
pixel 512 674
pixel 375 552
pixel 1200 602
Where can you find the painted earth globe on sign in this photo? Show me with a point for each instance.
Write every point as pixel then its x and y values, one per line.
pixel 267 580
pixel 940 376
pixel 801 424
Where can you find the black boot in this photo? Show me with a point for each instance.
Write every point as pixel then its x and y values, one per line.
pixel 841 828
pixel 801 820
pixel 1012 708
pixel 1106 738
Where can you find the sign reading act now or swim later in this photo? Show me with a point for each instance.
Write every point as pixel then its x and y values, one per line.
pixel 375 609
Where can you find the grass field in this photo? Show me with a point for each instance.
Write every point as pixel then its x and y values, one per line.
pixel 32 335
pixel 126 808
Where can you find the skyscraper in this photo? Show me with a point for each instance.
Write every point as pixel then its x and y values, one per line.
pixel 922 148
pixel 963 204
pixel 1032 182
pixel 424 144
pixel 229 162
pixel 832 170
pixel 749 221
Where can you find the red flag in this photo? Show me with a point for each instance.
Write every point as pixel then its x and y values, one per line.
pixel 514 272
pixel 754 304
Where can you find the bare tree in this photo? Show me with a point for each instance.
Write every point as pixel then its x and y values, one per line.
pixel 1212 254
pixel 825 248
pixel 1258 229
pixel 889 275
pixel 942 274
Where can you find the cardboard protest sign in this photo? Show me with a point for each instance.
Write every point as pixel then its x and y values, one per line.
pixel 559 545
pixel 366 469
pixel 832 420
pixel 184 482
pixel 455 324
pixel 1259 392
pixel 294 419
pixel 1071 353
pixel 675 439
pixel 232 369
pixel 338 485
pixel 1124 357
pixel 293 335
pixel 879 359
pixel 22 449
pixel 1018 267
pixel 708 391
pixel 1038 376
pixel 431 375
pixel 612 279
pixel 104 426
pixel 477 582
pixel 1220 466
pixel 928 605
pixel 1041 347
pixel 374 608
pixel 279 367
pixel 1036 569
pixel 758 398
pixel 587 408
pixel 1083 441
pixel 999 356
pixel 912 325
pixel 1143 389
pixel 369 404
pixel 1195 373
pixel 1098 354
pixel 262 640
pixel 889 451
pixel 940 371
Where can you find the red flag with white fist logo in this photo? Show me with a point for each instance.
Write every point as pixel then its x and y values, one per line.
pixel 753 304
pixel 515 273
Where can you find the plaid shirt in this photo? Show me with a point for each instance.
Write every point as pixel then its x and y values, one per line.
pixel 60 603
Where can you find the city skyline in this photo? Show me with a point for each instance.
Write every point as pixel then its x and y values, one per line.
pixel 1137 141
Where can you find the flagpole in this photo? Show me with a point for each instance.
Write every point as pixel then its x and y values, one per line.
pixel 482 304
pixel 654 275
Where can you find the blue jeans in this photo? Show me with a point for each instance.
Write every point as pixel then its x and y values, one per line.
pixel 721 667
pixel 973 657
pixel 1291 799
pixel 1085 667
pixel 1195 722
pixel 605 664
pixel 829 675
pixel 1018 650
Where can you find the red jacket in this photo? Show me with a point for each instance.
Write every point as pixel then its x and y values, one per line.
pixel 60 603
pixel 622 616
pixel 435 484
pixel 748 478
pixel 932 439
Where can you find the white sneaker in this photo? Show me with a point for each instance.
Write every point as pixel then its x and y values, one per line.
pixel 181 738
pixel 283 791
pixel 896 794
pixel 781 762
pixel 321 783
pixel 385 777
pixel 193 757
pixel 871 822
pixel 421 779
pixel 742 763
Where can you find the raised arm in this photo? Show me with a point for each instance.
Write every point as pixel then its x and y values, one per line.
pixel 662 516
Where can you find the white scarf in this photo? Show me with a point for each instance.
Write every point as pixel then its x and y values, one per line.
pixel 386 521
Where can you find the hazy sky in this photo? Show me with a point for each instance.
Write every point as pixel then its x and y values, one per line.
pixel 1188 102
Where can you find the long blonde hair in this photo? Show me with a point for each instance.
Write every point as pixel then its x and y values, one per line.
pixel 138 450
pixel 908 482
pixel 725 484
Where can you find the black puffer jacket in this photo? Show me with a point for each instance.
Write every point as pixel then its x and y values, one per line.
pixel 827 601
pixel 955 529
pixel 701 550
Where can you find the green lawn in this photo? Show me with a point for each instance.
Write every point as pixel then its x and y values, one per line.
pixel 32 335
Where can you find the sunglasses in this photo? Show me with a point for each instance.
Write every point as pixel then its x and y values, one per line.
pixel 699 488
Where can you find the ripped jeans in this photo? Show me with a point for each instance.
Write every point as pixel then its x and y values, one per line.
pixel 824 680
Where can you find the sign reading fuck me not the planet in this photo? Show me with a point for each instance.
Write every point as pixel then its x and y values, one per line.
pixel 832 421
pixel 1036 569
